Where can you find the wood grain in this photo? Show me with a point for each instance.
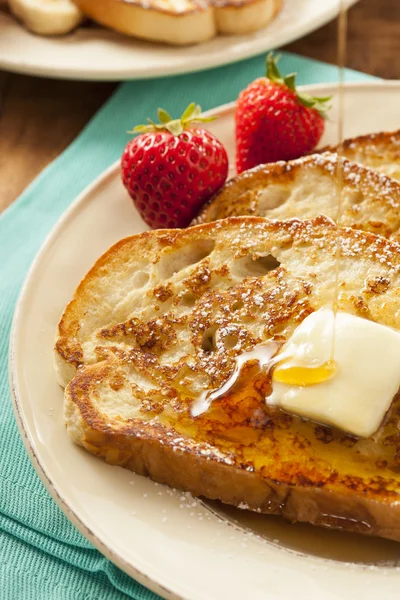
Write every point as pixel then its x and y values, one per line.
pixel 40 117
pixel 373 39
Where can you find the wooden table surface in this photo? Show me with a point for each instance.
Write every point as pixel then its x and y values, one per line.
pixel 27 144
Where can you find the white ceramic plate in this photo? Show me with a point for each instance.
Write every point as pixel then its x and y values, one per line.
pixel 99 54
pixel 177 546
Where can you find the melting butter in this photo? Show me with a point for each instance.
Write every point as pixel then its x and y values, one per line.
pixel 355 393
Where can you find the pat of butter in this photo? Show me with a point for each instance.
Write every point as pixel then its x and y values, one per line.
pixel 367 376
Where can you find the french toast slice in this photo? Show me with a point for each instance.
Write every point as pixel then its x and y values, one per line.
pixel 181 22
pixel 379 151
pixel 161 318
pixel 307 187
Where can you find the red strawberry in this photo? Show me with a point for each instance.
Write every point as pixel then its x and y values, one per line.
pixel 274 121
pixel 172 169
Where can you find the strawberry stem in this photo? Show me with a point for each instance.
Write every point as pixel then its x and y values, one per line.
pixel 274 75
pixel 191 115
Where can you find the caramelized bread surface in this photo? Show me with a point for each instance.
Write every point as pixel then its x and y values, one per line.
pixel 160 319
pixel 307 187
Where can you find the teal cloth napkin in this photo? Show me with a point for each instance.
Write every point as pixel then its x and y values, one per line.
pixel 42 555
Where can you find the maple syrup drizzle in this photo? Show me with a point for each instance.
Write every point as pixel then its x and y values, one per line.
pixel 262 355
pixel 341 61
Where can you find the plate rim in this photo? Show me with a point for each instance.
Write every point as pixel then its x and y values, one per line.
pixel 260 46
pixel 17 402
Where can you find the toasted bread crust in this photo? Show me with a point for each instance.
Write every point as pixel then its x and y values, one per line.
pixel 307 187
pixel 380 151
pixel 146 351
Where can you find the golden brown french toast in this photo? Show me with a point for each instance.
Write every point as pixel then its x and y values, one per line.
pixel 307 187
pixel 181 22
pixel 379 151
pixel 162 317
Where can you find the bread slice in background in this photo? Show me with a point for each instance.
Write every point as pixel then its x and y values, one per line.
pixel 162 316
pixel 181 22
pixel 307 187
pixel 162 21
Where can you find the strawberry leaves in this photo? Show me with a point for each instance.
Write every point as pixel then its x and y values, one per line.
pixel 274 75
pixel 191 115
pixel 163 116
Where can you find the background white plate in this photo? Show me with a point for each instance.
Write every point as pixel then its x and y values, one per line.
pixel 172 543
pixel 99 54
